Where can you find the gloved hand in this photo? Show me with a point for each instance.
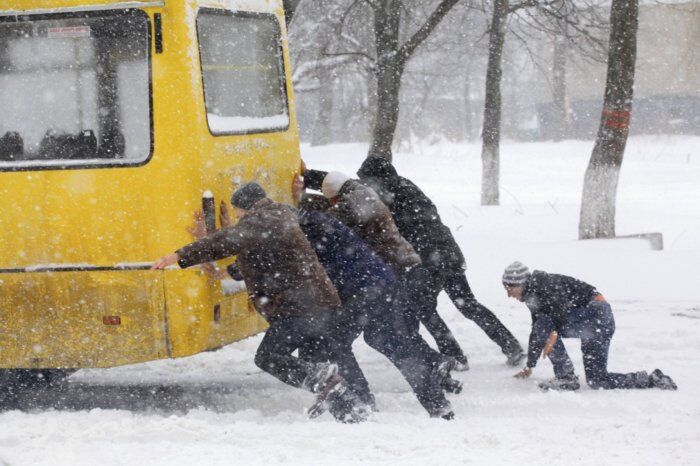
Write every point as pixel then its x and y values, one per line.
pixel 234 272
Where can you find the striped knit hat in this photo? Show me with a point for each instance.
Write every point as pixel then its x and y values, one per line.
pixel 516 274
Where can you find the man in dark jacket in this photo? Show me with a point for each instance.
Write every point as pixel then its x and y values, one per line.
pixel 443 264
pixel 359 207
pixel 366 286
pixel 289 288
pixel 562 306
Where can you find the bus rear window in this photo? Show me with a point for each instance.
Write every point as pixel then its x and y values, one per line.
pixel 242 72
pixel 74 90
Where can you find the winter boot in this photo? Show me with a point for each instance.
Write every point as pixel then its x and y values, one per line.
pixel 441 374
pixel 462 364
pixel 341 402
pixel 451 385
pixel 346 407
pixel 444 412
pixel 514 359
pixel 658 379
pixel 568 383
pixel 318 376
pixel 442 370
pixel 334 383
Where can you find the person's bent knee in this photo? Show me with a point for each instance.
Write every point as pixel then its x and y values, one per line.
pixel 261 359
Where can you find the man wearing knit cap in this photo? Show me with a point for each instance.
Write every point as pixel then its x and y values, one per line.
pixel 562 306
pixel 367 287
pixel 289 288
pixel 443 264
pixel 361 209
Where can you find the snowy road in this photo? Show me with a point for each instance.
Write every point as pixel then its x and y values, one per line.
pixel 218 409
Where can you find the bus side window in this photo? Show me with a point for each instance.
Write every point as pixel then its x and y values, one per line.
pixel 242 72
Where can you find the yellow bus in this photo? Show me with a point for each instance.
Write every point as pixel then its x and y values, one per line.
pixel 116 118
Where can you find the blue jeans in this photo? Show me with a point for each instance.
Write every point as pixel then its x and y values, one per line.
pixel 594 325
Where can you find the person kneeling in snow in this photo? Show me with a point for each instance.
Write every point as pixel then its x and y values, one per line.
pixel 290 290
pixel 562 306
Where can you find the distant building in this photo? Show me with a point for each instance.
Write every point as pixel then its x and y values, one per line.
pixel 667 80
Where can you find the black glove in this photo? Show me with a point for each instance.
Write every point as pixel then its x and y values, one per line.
pixel 234 272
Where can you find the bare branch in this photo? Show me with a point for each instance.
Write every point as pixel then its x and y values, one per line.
pixel 433 20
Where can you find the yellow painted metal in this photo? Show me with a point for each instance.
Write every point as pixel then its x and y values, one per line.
pixel 109 216
pixel 58 319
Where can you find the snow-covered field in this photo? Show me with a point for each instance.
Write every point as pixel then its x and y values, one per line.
pixel 219 409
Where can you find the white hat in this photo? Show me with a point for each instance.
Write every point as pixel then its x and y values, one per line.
pixel 333 183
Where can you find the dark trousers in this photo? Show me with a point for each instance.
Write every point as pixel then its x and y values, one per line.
pixel 595 326
pixel 425 285
pixel 387 332
pixel 379 318
pixel 287 334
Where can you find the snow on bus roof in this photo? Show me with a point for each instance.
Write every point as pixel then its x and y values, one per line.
pixel 86 7
pixel 267 6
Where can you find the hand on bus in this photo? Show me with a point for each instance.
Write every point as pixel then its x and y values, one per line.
pixel 224 216
pixel 165 261
pixel 198 229
pixel 297 189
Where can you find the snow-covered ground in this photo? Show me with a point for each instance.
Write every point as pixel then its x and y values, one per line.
pixel 218 409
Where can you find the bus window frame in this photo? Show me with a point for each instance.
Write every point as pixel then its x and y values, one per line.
pixel 59 164
pixel 282 77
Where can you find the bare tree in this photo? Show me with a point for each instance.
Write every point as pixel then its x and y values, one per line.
pixel 553 16
pixel 392 57
pixel 290 7
pixel 559 95
pixel 491 134
pixel 600 184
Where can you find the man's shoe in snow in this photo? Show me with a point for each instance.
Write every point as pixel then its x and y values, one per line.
pixel 462 364
pixel 319 375
pixel 451 385
pixel 514 359
pixel 561 384
pixel 445 413
pixel 334 383
pixel 442 371
pixel 346 407
pixel 658 379
pixel 342 403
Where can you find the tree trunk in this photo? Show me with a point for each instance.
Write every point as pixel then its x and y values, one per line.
pixel 491 134
pixel 391 61
pixel 560 101
pixel 290 7
pixel 389 70
pixel 322 134
pixel 600 184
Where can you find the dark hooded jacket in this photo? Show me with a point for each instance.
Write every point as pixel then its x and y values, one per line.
pixel 415 215
pixel 279 266
pixel 551 295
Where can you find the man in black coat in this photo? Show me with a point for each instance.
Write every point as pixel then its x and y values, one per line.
pixel 563 306
pixel 443 263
